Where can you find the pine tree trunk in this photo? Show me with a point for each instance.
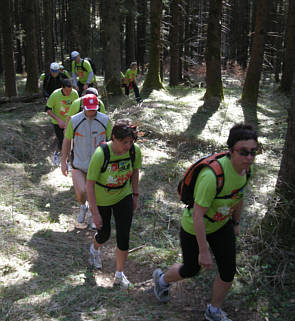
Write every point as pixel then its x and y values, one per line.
pixel 111 31
pixel 213 61
pixel 8 55
pixel 174 46
pixel 153 80
pixel 130 32
pixel 281 223
pixel 141 32
pixel 187 36
pixel 48 18
pixel 289 59
pixel 251 86
pixel 19 49
pixel 31 56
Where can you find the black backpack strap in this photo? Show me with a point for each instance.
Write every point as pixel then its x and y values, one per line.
pixel 82 65
pixel 80 122
pixel 103 125
pixel 106 152
pixel 132 154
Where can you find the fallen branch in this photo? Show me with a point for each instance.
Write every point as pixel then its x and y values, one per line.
pixel 136 249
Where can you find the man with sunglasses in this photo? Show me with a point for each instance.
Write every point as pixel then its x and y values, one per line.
pixel 213 223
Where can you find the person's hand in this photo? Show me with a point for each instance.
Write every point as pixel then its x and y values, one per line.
pixel 61 124
pixel 205 260
pixel 64 168
pixel 135 201
pixel 97 220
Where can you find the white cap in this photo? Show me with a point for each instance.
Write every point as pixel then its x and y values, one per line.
pixel 54 67
pixel 74 54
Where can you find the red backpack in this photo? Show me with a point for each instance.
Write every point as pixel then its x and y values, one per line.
pixel 187 184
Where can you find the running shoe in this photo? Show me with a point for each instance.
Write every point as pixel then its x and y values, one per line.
pixel 122 281
pixel 219 315
pixel 95 257
pixel 161 293
pixel 82 213
pixel 91 223
pixel 56 158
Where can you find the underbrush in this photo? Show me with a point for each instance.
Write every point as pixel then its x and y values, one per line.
pixel 44 271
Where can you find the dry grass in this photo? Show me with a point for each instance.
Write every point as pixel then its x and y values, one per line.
pixel 44 272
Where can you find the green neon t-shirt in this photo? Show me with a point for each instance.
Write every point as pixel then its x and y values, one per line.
pixel 76 107
pixel 131 74
pixel 60 104
pixel 219 210
pixel 115 175
pixel 82 73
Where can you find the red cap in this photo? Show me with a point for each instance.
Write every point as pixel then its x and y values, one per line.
pixel 90 102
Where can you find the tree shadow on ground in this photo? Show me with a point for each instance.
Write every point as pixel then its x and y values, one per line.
pixel 201 117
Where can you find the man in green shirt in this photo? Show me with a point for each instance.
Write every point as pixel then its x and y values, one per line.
pixel 130 82
pixel 57 108
pixel 82 73
pixel 213 223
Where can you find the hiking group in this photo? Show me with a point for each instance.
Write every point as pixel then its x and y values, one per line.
pixel 105 160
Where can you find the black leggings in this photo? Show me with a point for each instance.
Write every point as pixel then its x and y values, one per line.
pixel 59 132
pixel 223 246
pixel 135 88
pixel 123 212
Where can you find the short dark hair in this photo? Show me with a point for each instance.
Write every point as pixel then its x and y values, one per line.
pixel 124 128
pixel 239 132
pixel 67 83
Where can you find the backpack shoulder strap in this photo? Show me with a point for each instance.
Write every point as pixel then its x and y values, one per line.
pixel 132 154
pixel 106 152
pixel 82 64
pixel 80 122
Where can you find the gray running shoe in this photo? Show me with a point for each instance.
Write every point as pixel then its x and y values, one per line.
pixel 56 158
pixel 95 258
pixel 82 213
pixel 122 281
pixel 219 315
pixel 161 293
pixel 91 223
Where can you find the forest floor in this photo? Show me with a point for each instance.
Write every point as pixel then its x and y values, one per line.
pixel 44 270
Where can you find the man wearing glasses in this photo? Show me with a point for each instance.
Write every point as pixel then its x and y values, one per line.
pixel 213 223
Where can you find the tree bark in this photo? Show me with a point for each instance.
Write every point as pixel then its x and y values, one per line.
pixel 8 55
pixel 48 18
pixel 111 34
pixel 31 57
pixel 251 86
pixel 130 32
pixel 141 33
pixel 213 61
pixel 289 59
pixel 153 80
pixel 174 45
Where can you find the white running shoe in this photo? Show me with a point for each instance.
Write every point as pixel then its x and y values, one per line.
pixel 122 281
pixel 91 223
pixel 95 257
pixel 82 213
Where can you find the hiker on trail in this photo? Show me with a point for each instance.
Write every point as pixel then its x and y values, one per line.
pixel 213 222
pixel 64 71
pixel 77 105
pixel 82 73
pixel 112 187
pixel 129 82
pixel 86 130
pixel 57 108
pixel 52 80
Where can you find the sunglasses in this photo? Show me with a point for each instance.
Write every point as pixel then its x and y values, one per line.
pixel 245 152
